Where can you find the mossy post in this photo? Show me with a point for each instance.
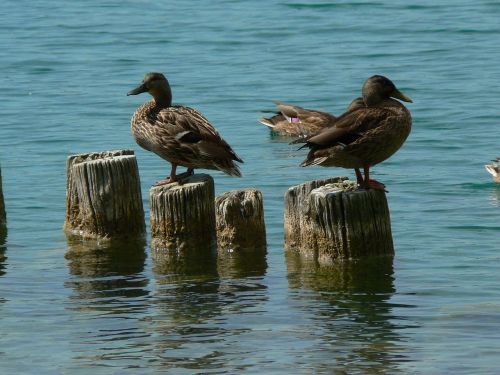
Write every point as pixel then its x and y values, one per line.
pixel 183 215
pixel 3 216
pixel 330 220
pixel 240 220
pixel 103 196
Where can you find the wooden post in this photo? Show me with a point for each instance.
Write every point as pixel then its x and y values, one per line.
pixel 103 197
pixel 183 215
pixel 338 221
pixel 296 199
pixel 240 220
pixel 3 217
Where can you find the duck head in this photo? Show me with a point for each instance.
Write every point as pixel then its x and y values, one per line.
pixel 378 88
pixel 156 84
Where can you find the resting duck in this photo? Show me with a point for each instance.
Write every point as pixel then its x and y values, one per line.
pixel 494 169
pixel 179 134
pixel 297 121
pixel 300 122
pixel 367 134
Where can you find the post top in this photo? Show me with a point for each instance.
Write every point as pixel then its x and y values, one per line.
pixel 196 179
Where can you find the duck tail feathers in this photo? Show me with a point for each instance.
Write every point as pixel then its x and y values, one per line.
pixel 266 122
pixel 231 170
pixel 314 161
pixel 491 169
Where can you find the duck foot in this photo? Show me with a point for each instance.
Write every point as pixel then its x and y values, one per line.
pixel 165 181
pixel 373 184
pixel 175 178
pixel 181 177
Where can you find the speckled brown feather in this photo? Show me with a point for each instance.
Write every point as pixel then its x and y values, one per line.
pixel 364 136
pixel 310 121
pixel 183 136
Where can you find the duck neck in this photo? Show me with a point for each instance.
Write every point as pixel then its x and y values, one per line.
pixel 162 96
pixel 372 98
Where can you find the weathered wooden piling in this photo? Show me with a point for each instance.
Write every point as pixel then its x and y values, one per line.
pixel 183 215
pixel 296 199
pixel 103 196
pixel 329 220
pixel 3 216
pixel 240 220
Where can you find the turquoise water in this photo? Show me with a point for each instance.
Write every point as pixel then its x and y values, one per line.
pixel 434 309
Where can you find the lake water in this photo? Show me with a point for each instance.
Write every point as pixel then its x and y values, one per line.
pixel 433 309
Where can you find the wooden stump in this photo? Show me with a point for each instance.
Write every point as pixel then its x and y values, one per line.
pixel 183 215
pixel 103 197
pixel 337 221
pixel 296 205
pixel 240 220
pixel 3 217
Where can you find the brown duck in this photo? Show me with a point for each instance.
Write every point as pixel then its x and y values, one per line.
pixel 299 122
pixel 366 135
pixel 179 134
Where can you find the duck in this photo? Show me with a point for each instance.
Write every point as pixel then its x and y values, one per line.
pixel 371 131
pixel 293 120
pixel 179 134
pixel 494 169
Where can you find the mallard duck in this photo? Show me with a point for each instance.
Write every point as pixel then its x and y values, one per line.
pixel 300 122
pixel 366 135
pixel 297 121
pixel 179 134
pixel 494 169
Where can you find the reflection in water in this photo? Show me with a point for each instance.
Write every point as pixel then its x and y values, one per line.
pixel 352 313
pixel 242 263
pixel 3 248
pixel 104 274
pixel 495 196
pixel 110 296
pixel 201 314
pixel 178 265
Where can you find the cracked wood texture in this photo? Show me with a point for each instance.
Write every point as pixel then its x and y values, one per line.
pixel 103 196
pixel 333 220
pixel 3 216
pixel 240 220
pixel 183 215
pixel 295 206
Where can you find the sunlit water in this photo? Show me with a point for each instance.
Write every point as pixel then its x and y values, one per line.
pixel 435 308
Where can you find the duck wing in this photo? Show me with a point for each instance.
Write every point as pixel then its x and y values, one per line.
pixel 347 128
pixel 294 113
pixel 191 128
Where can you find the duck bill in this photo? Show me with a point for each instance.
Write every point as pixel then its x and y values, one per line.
pixel 399 95
pixel 138 90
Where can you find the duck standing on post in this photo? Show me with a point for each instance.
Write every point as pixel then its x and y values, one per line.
pixel 365 135
pixel 179 134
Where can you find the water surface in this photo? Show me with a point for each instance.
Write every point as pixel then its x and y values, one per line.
pixel 434 308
